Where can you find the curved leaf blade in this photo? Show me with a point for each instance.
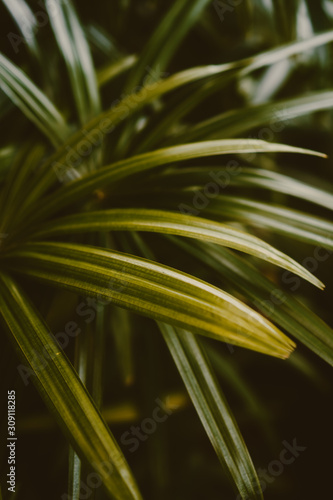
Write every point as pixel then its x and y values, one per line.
pixel 63 391
pixel 281 220
pixel 104 177
pixel 26 22
pixel 168 35
pixel 274 181
pixel 32 102
pixel 250 177
pixel 151 289
pixel 236 122
pixel 290 314
pixel 177 224
pixel 75 50
pixel 148 93
pixel 240 69
pixel 114 69
pixel 213 410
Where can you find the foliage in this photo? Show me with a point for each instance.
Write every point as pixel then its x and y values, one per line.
pixel 160 184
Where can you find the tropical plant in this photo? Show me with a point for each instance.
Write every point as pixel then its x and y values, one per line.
pixel 136 207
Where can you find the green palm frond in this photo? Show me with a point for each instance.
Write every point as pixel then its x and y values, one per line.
pixel 106 178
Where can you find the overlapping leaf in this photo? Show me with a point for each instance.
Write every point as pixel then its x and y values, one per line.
pixel 280 305
pixel 176 224
pixel 152 289
pixel 63 392
pixel 238 175
pixel 213 410
pixel 32 102
pixel 279 219
pixel 104 177
pixel 107 120
pixel 276 115
pixel 76 53
pixel 27 24
pixel 209 402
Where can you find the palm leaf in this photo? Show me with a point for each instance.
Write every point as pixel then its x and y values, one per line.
pixel 176 224
pixel 74 475
pixel 278 219
pixel 274 181
pixel 63 392
pixel 286 221
pixel 248 177
pixel 236 122
pixel 237 70
pixel 213 410
pixel 167 37
pixel 154 290
pixel 279 305
pixel 32 102
pixel 75 50
pixel 107 175
pixel 27 159
pixel 209 402
pixel 107 121
pixel 114 69
pixel 159 50
pixel 26 22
